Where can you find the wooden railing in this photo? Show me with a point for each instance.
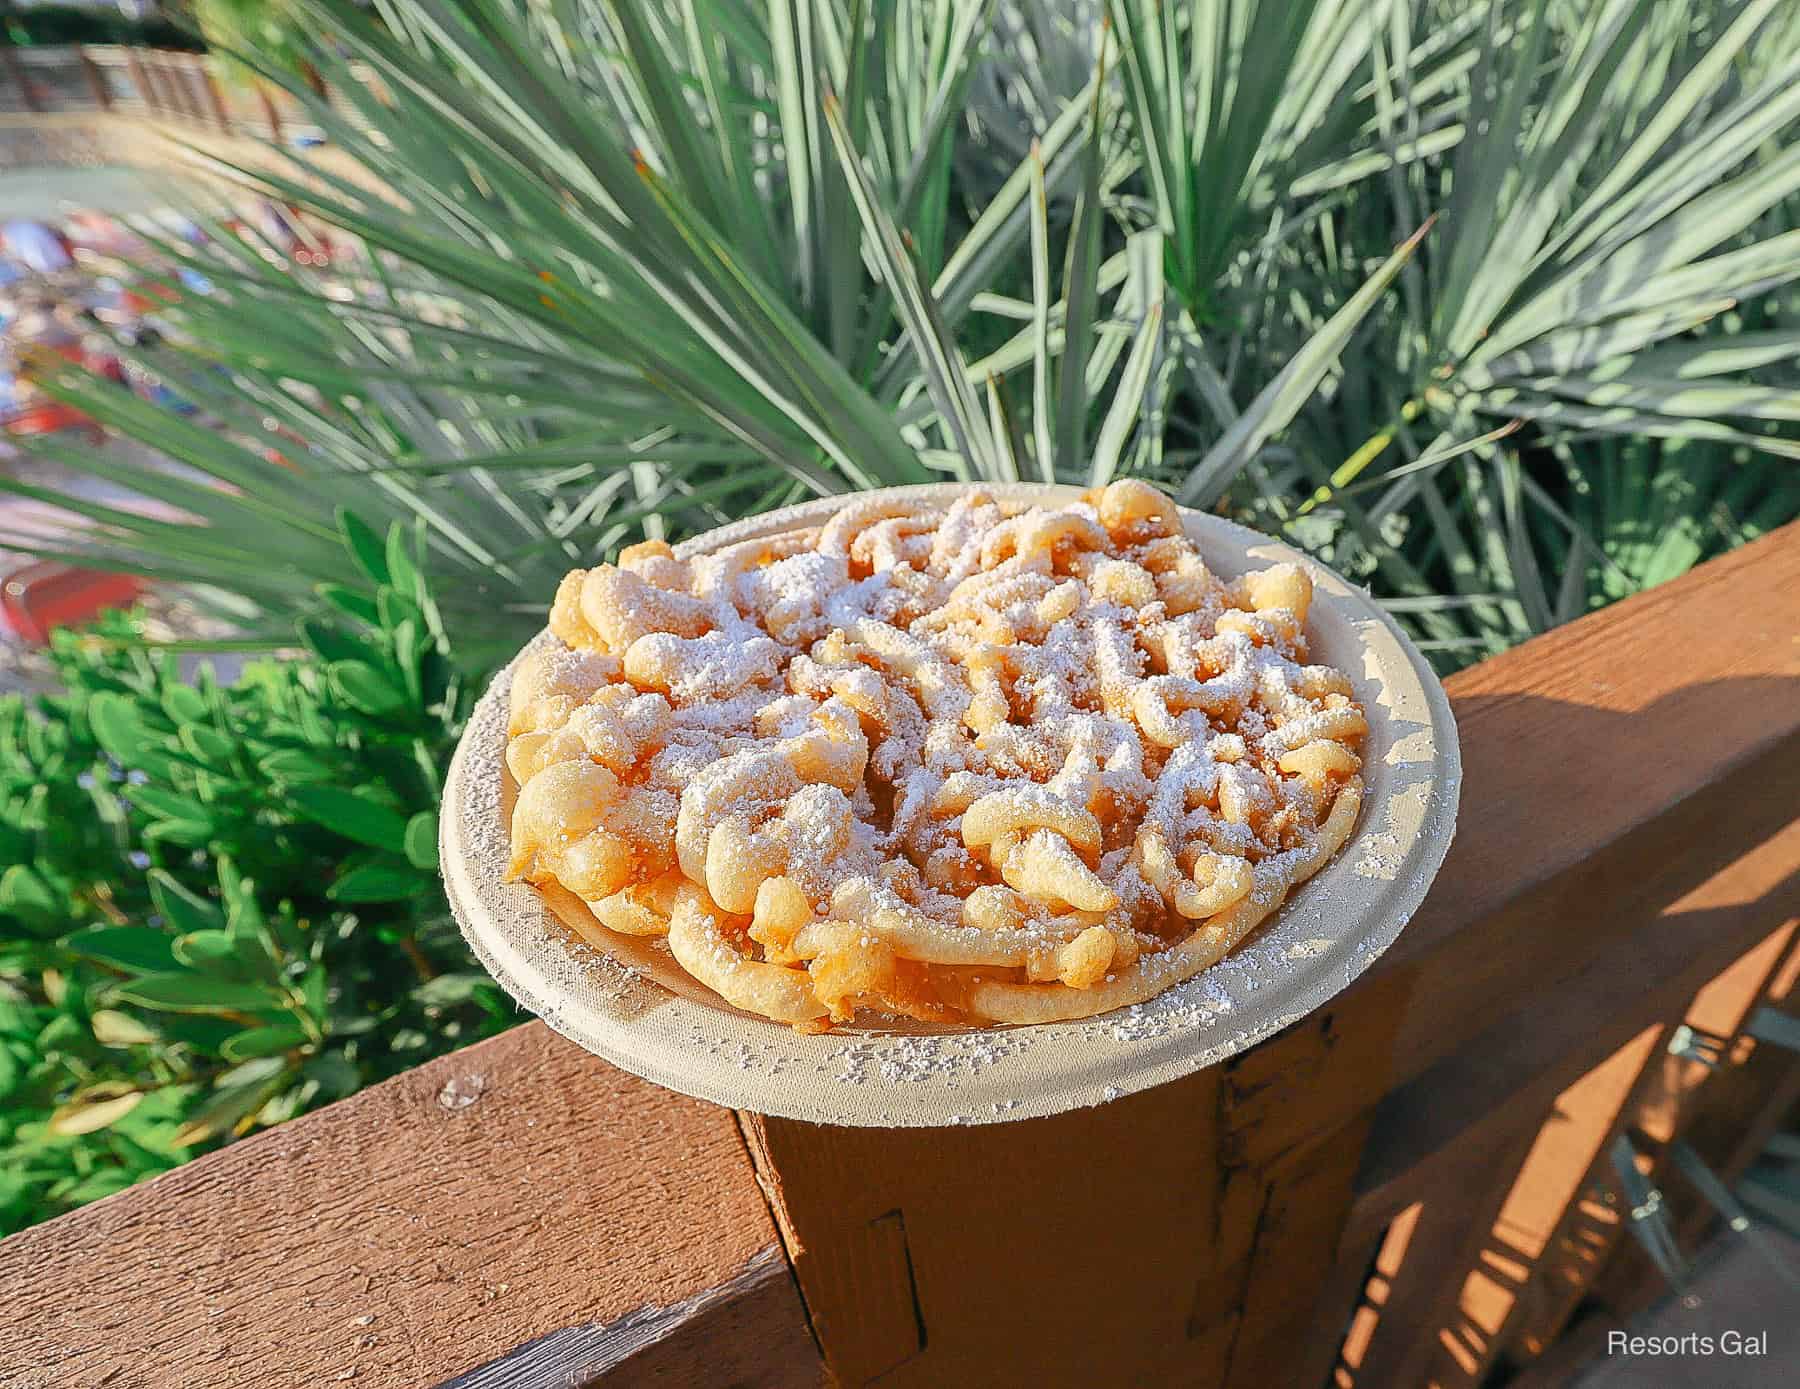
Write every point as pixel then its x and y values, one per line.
pixel 193 89
pixel 1414 1186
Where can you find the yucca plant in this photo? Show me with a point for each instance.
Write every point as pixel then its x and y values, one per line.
pixel 608 286
pixel 643 267
pixel 614 281
pixel 1608 210
pixel 264 26
pixel 1657 508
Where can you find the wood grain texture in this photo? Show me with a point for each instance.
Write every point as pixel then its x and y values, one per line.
pixel 747 1333
pixel 1306 1203
pixel 1507 1077
pixel 391 1240
pixel 1609 766
pixel 1060 1251
pixel 1291 1149
pixel 1169 1237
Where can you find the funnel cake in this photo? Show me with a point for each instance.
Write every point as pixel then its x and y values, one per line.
pixel 968 764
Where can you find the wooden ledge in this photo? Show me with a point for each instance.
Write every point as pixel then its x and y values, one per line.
pixel 1629 783
pixel 403 1237
pixel 1604 764
pixel 1616 772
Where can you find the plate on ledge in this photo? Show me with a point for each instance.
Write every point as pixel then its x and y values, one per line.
pixel 625 998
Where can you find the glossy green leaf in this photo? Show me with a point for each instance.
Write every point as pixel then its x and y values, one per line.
pixel 188 834
pixel 166 804
pixel 329 642
pixel 122 732
pixel 375 882
pixel 182 992
pixel 422 841
pixel 352 815
pixel 207 745
pixel 211 952
pixel 293 764
pixel 183 910
pixel 24 893
pixel 275 1040
pixel 361 684
pixel 115 1029
pixel 232 1107
pixel 365 545
pixel 91 1111
pixel 403 574
pixel 140 949
pixel 183 704
pixel 348 601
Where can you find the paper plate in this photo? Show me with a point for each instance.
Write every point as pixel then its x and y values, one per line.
pixel 631 1004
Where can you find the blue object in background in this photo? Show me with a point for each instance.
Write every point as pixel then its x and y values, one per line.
pixel 37 247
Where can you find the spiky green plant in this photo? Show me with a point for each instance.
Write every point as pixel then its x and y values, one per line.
pixel 611 283
pixel 642 267
pixel 1608 206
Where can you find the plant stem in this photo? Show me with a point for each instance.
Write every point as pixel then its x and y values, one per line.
pixel 100 894
pixel 419 962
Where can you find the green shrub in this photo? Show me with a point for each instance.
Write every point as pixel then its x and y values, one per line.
pixel 223 906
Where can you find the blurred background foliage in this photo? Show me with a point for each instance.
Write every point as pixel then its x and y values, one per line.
pixel 30 25
pixel 1489 305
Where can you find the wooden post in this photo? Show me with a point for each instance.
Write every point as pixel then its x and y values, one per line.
pixel 213 96
pixel 175 99
pixel 184 72
pixel 1007 1253
pixel 166 100
pixel 96 83
pixel 1171 1237
pixel 16 70
pixel 172 84
pixel 140 78
pixel 159 81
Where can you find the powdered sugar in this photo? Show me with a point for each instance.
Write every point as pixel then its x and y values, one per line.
pixel 897 653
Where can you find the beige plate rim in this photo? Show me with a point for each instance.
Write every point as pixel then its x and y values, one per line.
pixel 1331 930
